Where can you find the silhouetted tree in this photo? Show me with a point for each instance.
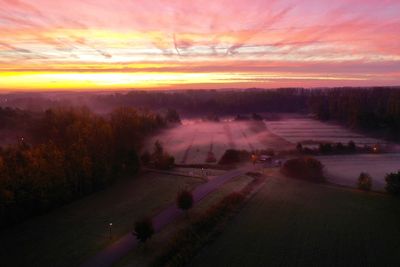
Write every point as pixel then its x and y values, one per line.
pixel 393 183
pixel 305 168
pixel 351 146
pixel 143 230
pixel 161 159
pixel 340 147
pixel 299 147
pixel 184 200
pixel 364 181
pixel 325 148
pixel 172 116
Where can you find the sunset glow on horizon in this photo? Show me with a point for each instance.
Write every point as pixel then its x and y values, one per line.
pixel 102 44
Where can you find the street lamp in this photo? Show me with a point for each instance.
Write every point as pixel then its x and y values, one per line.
pixel 110 227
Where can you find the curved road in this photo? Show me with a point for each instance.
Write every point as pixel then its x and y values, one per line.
pixel 117 250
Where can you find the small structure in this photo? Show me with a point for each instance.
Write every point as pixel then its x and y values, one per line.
pixel 265 158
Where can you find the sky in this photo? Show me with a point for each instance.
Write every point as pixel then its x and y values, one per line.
pixel 174 44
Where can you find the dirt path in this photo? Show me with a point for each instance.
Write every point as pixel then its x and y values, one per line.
pixel 117 250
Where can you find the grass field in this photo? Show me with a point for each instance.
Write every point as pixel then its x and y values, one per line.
pixel 69 235
pixel 345 169
pixel 294 223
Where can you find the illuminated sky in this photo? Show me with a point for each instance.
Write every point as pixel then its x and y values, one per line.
pixel 105 44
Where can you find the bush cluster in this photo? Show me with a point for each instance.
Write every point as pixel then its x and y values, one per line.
pixel 233 156
pixel 304 168
pixel 393 183
pixel 364 181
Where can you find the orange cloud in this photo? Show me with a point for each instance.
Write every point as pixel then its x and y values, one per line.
pixel 258 43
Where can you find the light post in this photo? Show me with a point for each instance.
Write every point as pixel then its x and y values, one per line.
pixel 110 227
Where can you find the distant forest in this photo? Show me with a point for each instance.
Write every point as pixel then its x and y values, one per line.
pixel 376 110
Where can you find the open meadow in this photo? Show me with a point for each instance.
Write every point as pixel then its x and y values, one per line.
pixel 345 169
pixel 295 223
pixel 69 235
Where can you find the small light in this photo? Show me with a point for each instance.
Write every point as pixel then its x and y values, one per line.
pixel 110 224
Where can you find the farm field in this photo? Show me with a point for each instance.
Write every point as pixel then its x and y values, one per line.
pixel 190 142
pixel 67 236
pixel 297 129
pixel 345 169
pixel 295 223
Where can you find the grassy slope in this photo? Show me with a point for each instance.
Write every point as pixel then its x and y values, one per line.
pixel 294 223
pixel 69 235
pixel 143 256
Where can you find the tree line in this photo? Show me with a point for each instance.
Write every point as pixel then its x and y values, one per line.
pixel 374 109
pixel 72 152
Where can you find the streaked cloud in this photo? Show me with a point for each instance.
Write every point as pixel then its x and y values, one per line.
pixel 256 42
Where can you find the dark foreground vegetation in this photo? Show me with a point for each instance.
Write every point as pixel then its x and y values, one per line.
pixel 304 168
pixel 72 152
pixel 290 222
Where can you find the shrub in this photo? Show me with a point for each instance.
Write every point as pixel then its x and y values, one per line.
pixel 351 146
pixel 165 162
pixel 305 168
pixel 143 230
pixel 161 159
pixel 184 200
pixel 393 183
pixel 325 148
pixel 232 156
pixel 340 147
pixel 364 181
pixel 299 147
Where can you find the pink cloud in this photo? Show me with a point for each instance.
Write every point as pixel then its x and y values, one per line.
pixel 359 36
